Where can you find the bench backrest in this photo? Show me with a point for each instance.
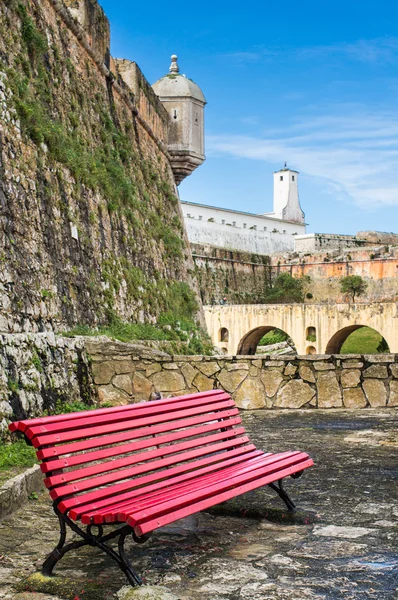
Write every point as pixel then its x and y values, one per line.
pixel 89 456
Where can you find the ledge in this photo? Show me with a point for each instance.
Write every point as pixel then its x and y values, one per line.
pixel 16 491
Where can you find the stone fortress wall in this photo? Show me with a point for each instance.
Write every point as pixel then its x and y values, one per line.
pixel 242 276
pixel 90 222
pixel 39 370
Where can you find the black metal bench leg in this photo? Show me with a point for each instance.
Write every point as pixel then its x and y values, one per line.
pixel 282 493
pixel 89 539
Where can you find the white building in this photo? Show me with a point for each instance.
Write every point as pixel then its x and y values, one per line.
pixel 247 232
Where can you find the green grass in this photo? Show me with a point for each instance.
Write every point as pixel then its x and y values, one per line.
pixel 273 337
pixel 363 341
pixel 15 458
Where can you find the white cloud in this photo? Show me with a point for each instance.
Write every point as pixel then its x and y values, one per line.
pixel 377 50
pixel 354 152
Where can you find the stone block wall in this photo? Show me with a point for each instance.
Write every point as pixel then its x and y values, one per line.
pixel 121 374
pixel 41 371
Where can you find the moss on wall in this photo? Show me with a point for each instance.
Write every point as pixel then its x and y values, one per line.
pixel 89 209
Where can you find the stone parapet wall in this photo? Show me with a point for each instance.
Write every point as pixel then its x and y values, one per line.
pixel 352 381
pixel 39 372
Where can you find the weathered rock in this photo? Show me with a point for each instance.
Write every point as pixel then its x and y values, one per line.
pixel 394 370
pixel 189 373
pixel 123 366
pixel 393 400
pixel 378 371
pixel 350 378
pixel 123 382
pixel 231 380
pixel 351 364
pixel 324 366
pixel 152 369
pixel 290 369
pixel 238 366
pixel 294 394
pixel 354 398
pixel 168 381
pixel 329 394
pixel 375 391
pixel 271 379
pixel 208 368
pixel 203 383
pixel 251 394
pixel 306 374
pixel 145 592
pixel 103 372
pixel 108 393
pixel 170 366
pixel 142 387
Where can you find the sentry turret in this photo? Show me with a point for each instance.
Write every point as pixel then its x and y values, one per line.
pixel 184 102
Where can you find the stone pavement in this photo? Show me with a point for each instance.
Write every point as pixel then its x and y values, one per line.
pixel 350 550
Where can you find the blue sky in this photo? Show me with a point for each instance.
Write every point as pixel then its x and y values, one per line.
pixel 315 84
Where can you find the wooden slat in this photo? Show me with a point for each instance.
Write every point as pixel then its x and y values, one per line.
pixel 70 436
pixel 264 462
pixel 98 481
pixel 22 425
pixel 135 412
pixel 80 459
pixel 95 512
pixel 186 469
pixel 216 498
pixel 122 463
pixel 97 442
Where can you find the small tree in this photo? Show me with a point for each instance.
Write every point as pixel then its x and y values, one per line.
pixel 286 288
pixel 353 285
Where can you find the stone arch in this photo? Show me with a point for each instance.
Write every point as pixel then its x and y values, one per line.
pixel 223 335
pixel 337 340
pixel 248 344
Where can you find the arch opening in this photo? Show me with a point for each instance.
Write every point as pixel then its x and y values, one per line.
pixel 267 335
pixel 357 339
pixel 310 350
pixel 223 335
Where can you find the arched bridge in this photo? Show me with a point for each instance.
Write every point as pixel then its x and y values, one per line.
pixel 314 328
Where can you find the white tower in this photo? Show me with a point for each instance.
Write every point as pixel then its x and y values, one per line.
pixel 286 196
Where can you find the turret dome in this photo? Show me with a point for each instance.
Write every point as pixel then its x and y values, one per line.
pixel 176 85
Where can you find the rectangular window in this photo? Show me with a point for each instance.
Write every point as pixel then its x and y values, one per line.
pixel 233 223
pixel 292 177
pixel 244 225
pixel 223 222
pixel 281 178
pixel 200 217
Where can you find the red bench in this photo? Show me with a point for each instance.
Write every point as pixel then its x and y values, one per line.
pixel 147 465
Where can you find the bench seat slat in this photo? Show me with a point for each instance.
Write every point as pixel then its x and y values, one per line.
pixel 216 498
pixel 121 463
pixel 98 508
pixel 118 511
pixel 136 411
pixel 80 459
pixel 195 491
pixel 70 436
pixel 89 444
pixel 24 424
pixel 263 462
pixel 186 469
pixel 99 480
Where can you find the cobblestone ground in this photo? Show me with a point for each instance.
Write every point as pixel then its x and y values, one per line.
pixel 349 551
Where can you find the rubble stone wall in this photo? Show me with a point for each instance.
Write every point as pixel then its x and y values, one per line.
pixel 41 371
pixel 351 381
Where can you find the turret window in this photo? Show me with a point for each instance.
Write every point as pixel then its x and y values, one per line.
pixel 281 177
pixel 174 114
pixel 292 177
pixel 196 119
